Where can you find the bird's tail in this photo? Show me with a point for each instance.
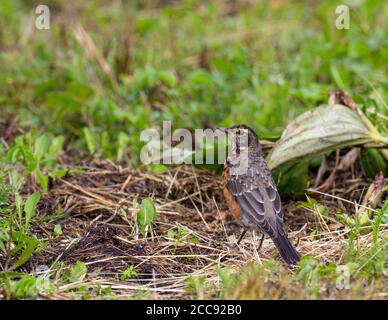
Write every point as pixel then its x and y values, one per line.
pixel 286 249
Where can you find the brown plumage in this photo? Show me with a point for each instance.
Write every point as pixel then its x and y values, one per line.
pixel 253 195
pixel 234 207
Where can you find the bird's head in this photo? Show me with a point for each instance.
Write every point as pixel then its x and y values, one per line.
pixel 242 134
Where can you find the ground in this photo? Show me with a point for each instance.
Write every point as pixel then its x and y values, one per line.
pixel 193 238
pixel 81 217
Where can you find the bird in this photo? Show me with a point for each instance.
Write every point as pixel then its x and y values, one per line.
pixel 252 193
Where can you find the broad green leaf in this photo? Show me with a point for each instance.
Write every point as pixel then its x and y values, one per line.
pixel 319 131
pixel 146 215
pixel 42 144
pixel 30 206
pixel 55 147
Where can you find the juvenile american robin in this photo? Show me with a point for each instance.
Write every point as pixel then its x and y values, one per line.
pixel 252 193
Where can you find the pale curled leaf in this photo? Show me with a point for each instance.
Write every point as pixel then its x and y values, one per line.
pixel 319 131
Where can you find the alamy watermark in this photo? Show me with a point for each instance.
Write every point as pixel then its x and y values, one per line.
pixel 343 17
pixel 42 21
pixel 203 146
pixel 343 279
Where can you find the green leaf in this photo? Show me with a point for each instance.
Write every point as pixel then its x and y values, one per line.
pixel 373 162
pixel 306 266
pixel 168 78
pixel 42 144
pixel 30 206
pixel 156 168
pixel 58 173
pixel 171 234
pixel 15 179
pixel 146 215
pixel 29 286
pixel 89 140
pixel 79 91
pixel 58 230
pixel 30 159
pixel 122 145
pixel 55 148
pixel 2 247
pixel 13 153
pixel 42 180
pixel 19 205
pixel 194 284
pixel 292 178
pixel 337 77
pixel 128 273
pixel 78 271
pixel 32 244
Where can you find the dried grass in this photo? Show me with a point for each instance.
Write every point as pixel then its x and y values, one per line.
pixel 101 229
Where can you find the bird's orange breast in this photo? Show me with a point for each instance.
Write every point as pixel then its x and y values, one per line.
pixel 234 207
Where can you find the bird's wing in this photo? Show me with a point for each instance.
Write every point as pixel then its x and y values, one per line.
pixel 260 204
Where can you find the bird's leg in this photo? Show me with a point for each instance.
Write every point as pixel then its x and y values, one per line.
pixel 241 236
pixel 261 242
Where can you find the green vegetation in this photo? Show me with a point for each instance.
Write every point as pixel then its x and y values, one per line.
pixel 74 99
